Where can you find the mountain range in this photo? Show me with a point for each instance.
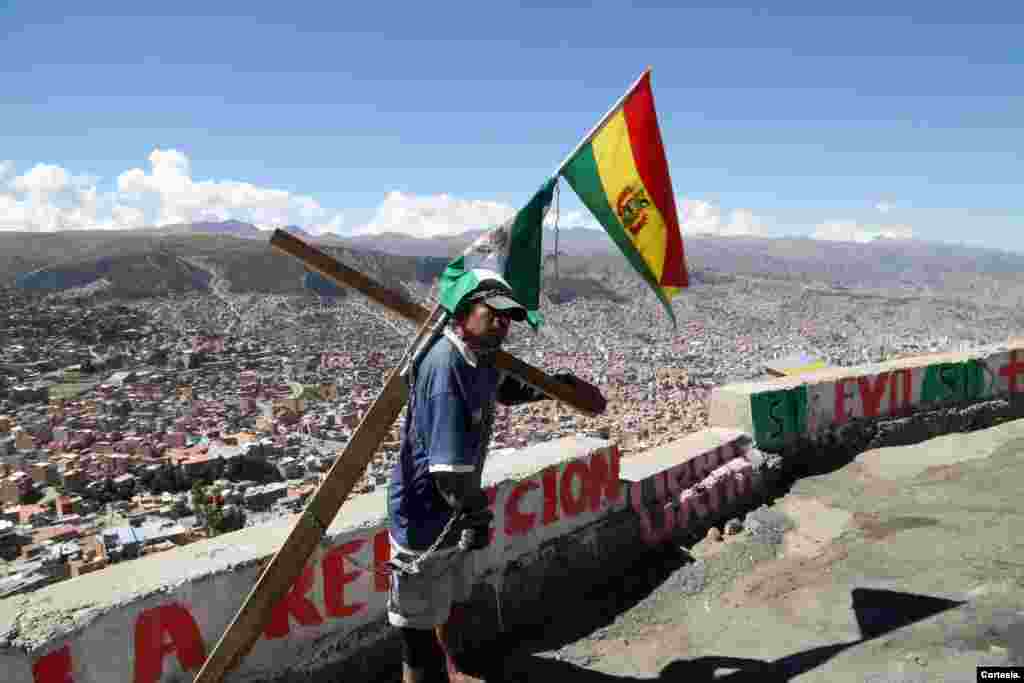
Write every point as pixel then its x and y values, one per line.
pixel 153 261
pixel 230 227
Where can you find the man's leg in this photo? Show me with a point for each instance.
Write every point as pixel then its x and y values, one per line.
pixel 418 656
pixel 450 638
pixel 451 634
pixel 416 604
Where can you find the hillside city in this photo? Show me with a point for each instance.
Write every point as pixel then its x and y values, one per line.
pixel 129 427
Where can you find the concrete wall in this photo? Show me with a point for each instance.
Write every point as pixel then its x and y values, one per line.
pixel 681 488
pixel 784 414
pixel 569 514
pixel 156 618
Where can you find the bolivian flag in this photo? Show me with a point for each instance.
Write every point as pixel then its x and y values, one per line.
pixel 621 175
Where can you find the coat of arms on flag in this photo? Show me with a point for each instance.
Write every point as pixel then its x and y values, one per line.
pixel 620 173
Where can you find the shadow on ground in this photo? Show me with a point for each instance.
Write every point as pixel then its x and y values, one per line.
pixel 602 603
pixel 878 613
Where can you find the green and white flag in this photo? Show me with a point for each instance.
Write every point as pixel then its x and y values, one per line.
pixel 509 254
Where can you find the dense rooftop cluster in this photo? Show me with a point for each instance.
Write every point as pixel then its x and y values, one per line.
pixel 131 427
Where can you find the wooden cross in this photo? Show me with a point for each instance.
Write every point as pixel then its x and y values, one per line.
pixel 288 563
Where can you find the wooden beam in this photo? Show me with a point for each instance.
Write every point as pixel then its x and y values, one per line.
pixel 584 397
pixel 287 564
pixel 342 275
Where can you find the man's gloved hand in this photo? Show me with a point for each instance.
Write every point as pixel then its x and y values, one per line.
pixel 566 378
pixel 476 532
pixel 475 525
pixel 589 394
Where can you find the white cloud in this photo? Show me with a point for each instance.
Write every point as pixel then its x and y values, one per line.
pixel 13 214
pixel 851 231
pixel 700 217
pixel 571 219
pixel 884 206
pixel 126 217
pixel 434 215
pixel 169 191
pixel 49 197
pixel 744 222
pixel 43 179
pixel 696 216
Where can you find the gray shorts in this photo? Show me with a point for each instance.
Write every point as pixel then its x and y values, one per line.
pixel 425 600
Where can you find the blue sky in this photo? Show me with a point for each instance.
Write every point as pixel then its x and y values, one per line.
pixel 904 118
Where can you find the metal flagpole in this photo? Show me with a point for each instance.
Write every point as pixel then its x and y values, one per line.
pixel 600 124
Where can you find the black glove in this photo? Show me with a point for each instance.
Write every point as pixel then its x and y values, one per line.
pixel 475 523
pixel 513 391
pixel 566 378
pixel 476 530
pixel 585 392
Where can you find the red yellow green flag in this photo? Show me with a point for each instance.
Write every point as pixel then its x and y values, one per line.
pixel 621 175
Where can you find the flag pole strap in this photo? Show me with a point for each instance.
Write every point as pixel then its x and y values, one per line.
pixel 600 124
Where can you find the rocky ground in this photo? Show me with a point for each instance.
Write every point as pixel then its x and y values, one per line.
pixel 903 565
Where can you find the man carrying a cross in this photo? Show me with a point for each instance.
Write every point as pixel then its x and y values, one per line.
pixel 437 511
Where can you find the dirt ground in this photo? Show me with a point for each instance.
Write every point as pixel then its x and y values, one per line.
pixel 903 565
